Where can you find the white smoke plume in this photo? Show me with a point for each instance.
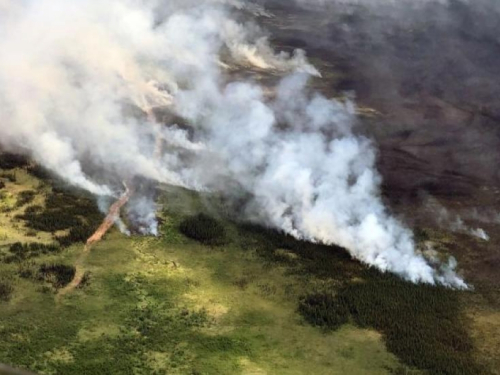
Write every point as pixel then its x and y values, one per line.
pixel 311 178
pixel 142 212
pixel 69 70
pixel 454 222
pixel 458 225
pixel 375 3
pixel 104 203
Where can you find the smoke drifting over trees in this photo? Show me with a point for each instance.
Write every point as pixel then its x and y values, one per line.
pixel 70 70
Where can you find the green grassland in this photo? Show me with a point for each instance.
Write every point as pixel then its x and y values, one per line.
pixel 170 305
pixel 252 301
pixel 16 183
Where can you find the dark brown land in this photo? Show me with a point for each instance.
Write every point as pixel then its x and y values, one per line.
pixel 429 77
pixel 427 81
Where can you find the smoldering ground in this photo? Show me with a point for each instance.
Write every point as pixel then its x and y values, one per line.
pixel 72 69
pixel 429 67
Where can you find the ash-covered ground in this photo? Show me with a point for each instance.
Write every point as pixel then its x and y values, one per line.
pixel 425 76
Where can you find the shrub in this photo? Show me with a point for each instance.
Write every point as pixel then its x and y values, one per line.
pixel 64 211
pixel 6 290
pixel 59 275
pixel 28 270
pixel 421 235
pixel 11 177
pixel 39 172
pixel 50 221
pixel 323 310
pixel 33 209
pixel 85 280
pixel 204 229
pixel 322 261
pixel 12 161
pixel 422 325
pixel 2 185
pixel 31 233
pixel 78 234
pixel 25 197
pixel 19 251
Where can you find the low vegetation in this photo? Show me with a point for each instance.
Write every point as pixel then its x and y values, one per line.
pixel 6 290
pixel 323 310
pixel 320 261
pixel 78 215
pixel 9 176
pixel 40 172
pixel 422 325
pixel 58 275
pixel 19 252
pixel 78 234
pixel 181 310
pixel 204 229
pixel 50 220
pixel 11 161
pixel 25 197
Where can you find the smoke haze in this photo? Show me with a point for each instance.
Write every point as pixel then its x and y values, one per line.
pixel 78 80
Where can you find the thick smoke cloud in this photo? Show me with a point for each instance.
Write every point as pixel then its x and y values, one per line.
pixel 72 73
pixel 428 66
pixel 455 222
pixel 314 186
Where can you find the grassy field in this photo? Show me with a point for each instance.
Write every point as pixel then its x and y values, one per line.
pixel 170 305
pixel 244 303
pixel 11 229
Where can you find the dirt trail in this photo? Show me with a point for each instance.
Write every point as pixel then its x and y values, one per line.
pixel 108 222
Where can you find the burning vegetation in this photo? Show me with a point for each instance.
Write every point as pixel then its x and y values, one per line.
pixel 296 152
pixel 295 172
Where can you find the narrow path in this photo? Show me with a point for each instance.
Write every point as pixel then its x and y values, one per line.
pixel 108 222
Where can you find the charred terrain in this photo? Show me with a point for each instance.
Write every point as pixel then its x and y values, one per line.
pixel 204 278
pixel 428 76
